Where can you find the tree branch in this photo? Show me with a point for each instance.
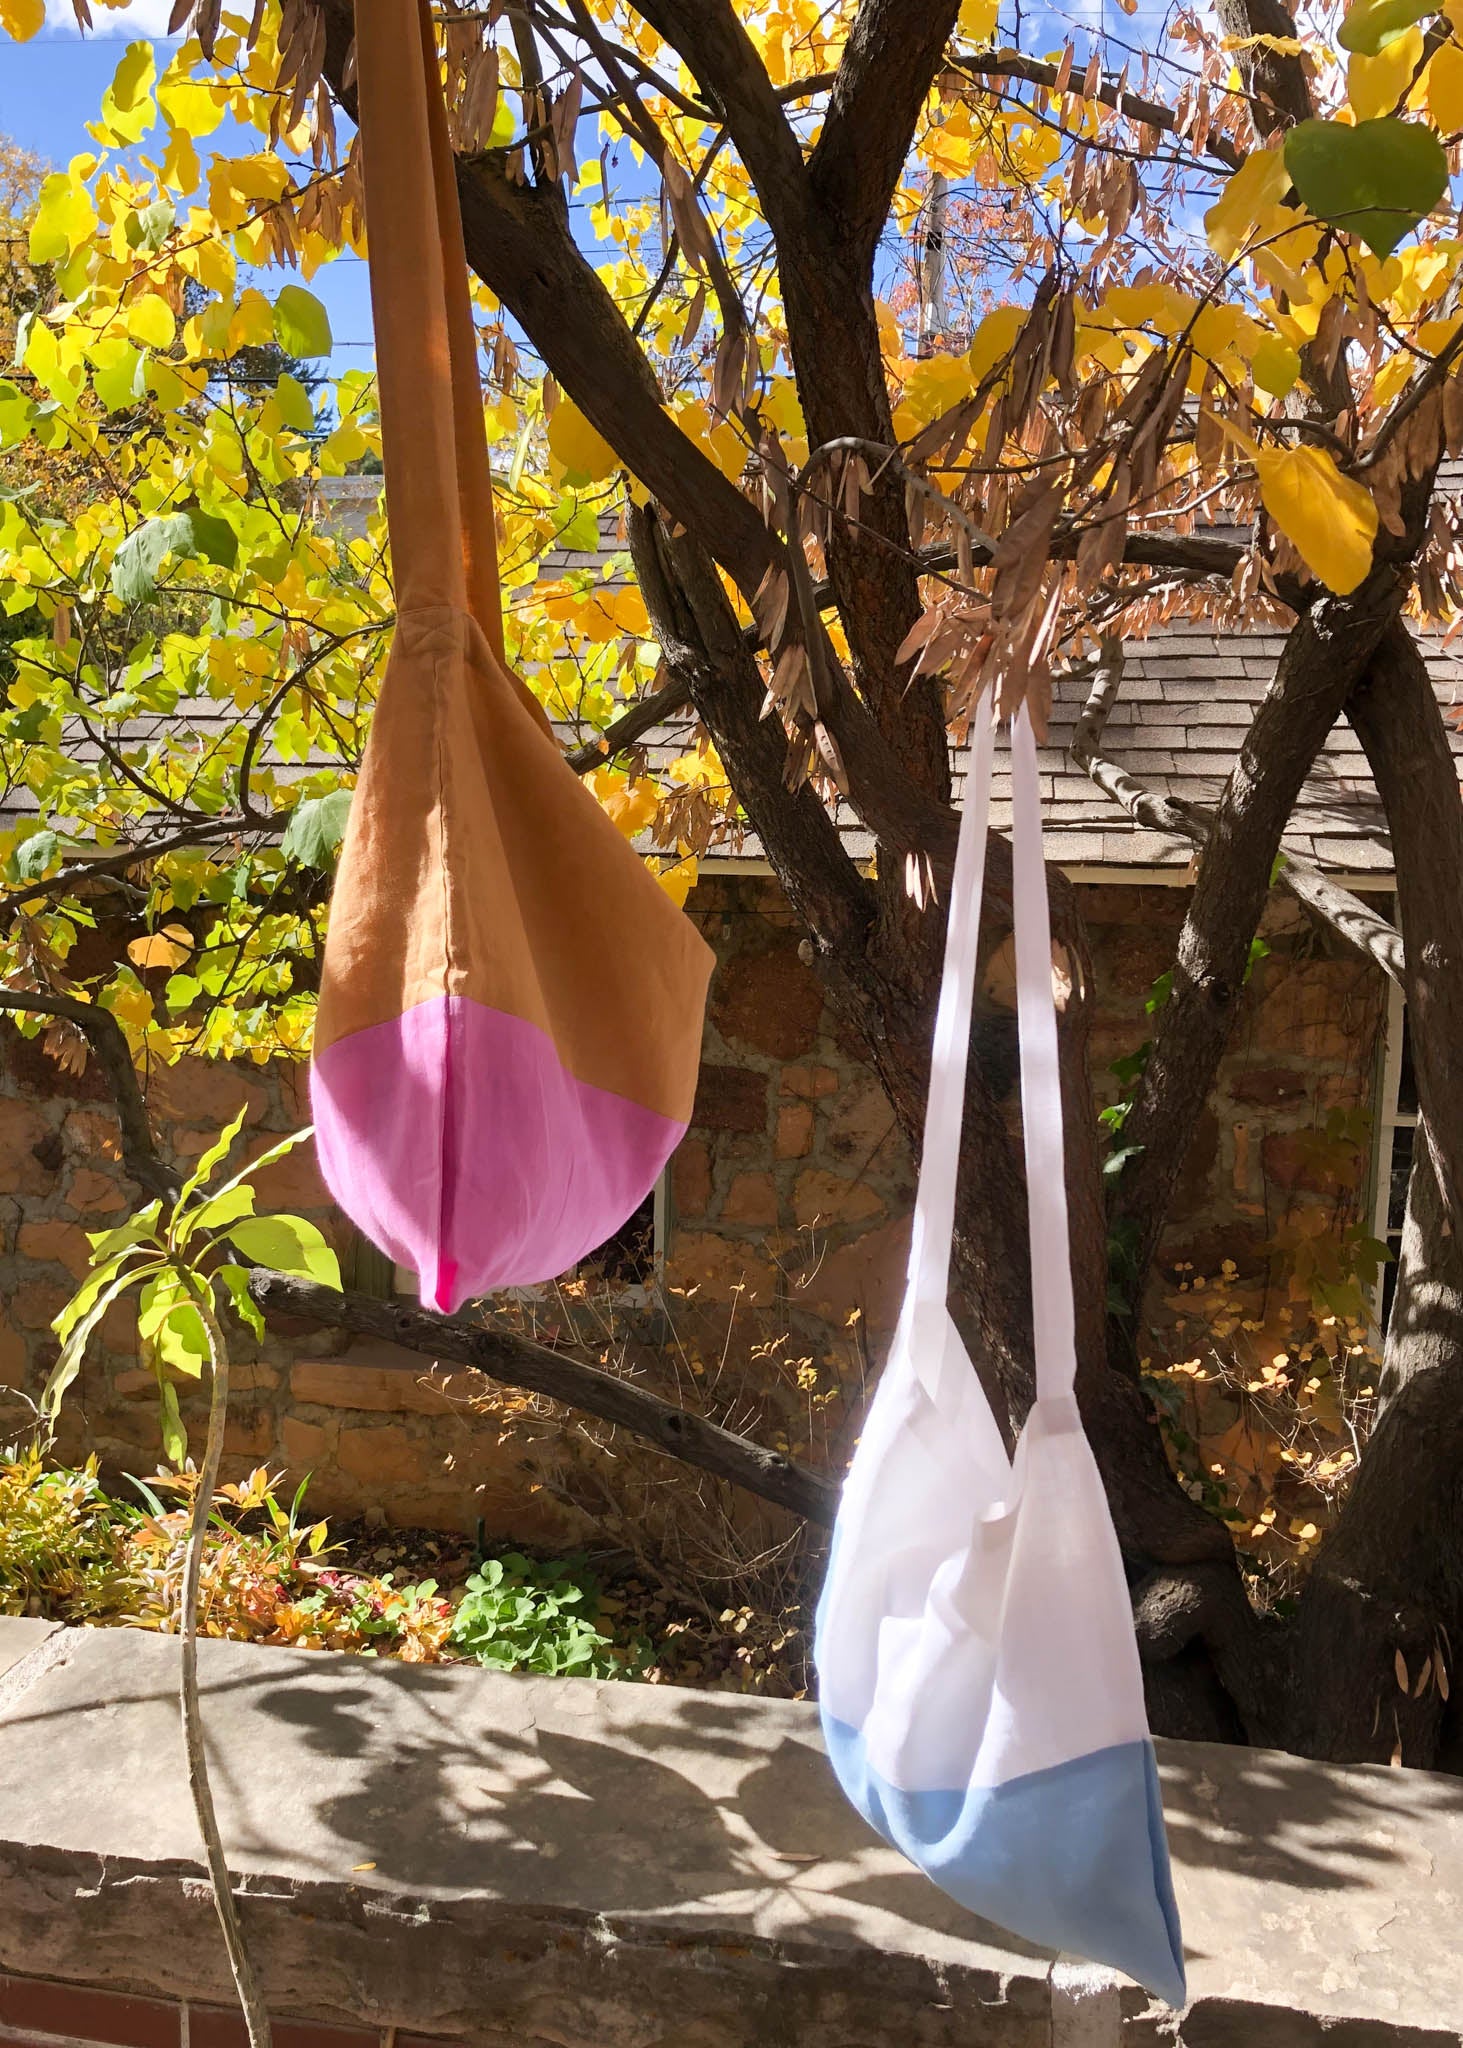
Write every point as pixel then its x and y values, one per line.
pixel 206 833
pixel 1325 654
pixel 708 658
pixel 710 40
pixel 1394 710
pixel 1110 93
pixel 891 56
pixel 512 1360
pixel 1279 92
pixel 140 1157
pixel 1333 907
pixel 1197 555
pixel 517 1363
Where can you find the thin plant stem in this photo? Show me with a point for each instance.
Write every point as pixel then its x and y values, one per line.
pixel 256 2018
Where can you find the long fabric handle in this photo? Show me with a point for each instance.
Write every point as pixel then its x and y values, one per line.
pixel 439 493
pixel 1041 1095
pixel 934 1209
pixel 1052 1315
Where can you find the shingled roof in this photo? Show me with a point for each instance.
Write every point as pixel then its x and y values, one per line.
pixel 1181 715
pixel 1184 707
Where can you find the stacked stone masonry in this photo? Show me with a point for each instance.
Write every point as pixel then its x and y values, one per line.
pixel 788 1202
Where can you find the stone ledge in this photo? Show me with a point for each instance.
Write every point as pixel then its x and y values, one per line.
pixel 521 1861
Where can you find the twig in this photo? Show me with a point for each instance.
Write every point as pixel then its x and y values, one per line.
pixel 1032 71
pixel 256 2018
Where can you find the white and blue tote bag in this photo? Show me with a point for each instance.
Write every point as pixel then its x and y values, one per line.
pixel 981 1693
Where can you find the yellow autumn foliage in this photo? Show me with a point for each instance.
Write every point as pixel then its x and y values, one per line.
pixel 1330 519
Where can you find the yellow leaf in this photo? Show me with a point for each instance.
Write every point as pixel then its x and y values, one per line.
pixel 196 109
pixel 1260 182
pixel 1330 519
pixel 1275 366
pixel 253 323
pixel 993 339
pixel 934 385
pixel 978 20
pixel 130 1002
pixel 581 448
pixel 167 948
pixel 127 103
pixel 21 18
pixel 63 219
pixel 1445 88
pixel 181 169
pixel 1376 85
pixel 630 806
pixel 150 321
pixel 679 880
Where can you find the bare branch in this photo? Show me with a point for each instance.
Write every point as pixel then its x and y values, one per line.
pixel 1110 92
pixel 517 1363
pixel 1328 903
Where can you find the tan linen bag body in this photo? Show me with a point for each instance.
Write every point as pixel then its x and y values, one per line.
pixel 511 1006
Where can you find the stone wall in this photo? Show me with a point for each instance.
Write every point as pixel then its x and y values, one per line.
pixel 793 1185
pixel 1306 1042
pixel 787 1217
pixel 429 1854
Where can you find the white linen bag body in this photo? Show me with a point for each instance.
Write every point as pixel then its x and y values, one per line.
pixel 980 1689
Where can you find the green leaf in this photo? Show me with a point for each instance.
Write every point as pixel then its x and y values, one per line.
pixel 316 828
pixel 84 1300
pixel 217 1152
pixel 235 1280
pixel 175 1437
pixel 136 563
pixel 1376 180
pixel 68 1365
pixel 576 524
pixel 288 1244
pixel 33 857
pixel 301 324
pixel 294 404
pixel 223 1208
pixel 106 1243
pixel 1114 1163
pixel 1371 24
pixel 169 1317
pixel 1159 994
pixel 214 540
pixel 123 382
pixel 266 1158
pixel 150 228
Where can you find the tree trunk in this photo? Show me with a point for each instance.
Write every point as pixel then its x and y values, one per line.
pixel 1396 716
pixel 1384 1602
pixel 1383 1607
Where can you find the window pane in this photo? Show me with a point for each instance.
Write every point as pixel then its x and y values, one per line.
pixel 1406 1080
pixel 1402 1139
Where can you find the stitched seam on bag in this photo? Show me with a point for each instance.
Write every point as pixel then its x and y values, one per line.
pixel 450 966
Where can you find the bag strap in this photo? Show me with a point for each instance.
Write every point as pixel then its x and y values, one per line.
pixel 1052 1316
pixel 1041 1098
pixel 439 491
pixel 934 1206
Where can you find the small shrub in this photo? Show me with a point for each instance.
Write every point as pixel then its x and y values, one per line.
pixel 519 1616
pixel 63 1542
